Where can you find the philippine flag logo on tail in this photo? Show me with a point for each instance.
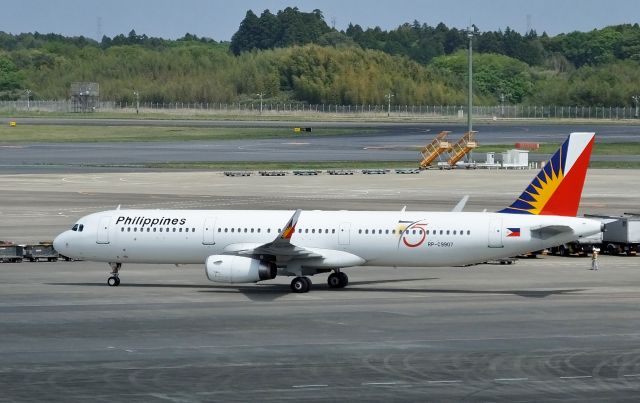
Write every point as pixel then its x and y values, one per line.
pixel 513 232
pixel 557 188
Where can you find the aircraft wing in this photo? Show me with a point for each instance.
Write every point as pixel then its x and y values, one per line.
pixel 279 247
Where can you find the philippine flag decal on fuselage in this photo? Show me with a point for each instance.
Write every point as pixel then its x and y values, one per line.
pixel 513 232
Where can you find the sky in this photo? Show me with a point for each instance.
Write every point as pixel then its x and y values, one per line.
pixel 219 20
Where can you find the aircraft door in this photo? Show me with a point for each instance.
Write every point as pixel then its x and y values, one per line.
pixel 344 233
pixel 103 230
pixel 495 233
pixel 208 231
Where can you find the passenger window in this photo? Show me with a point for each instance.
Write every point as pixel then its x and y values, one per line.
pixel 454 232
pixel 333 231
pixel 447 232
pixel 386 231
pixel 441 232
pixel 258 230
pixel 393 232
pixel 252 230
pixel 313 231
pixel 180 229
pixel 154 229
pixel 135 229
pixel 306 230
pixel 233 229
pixel 122 229
pixel 225 230
pixel 299 230
pixel 160 229
pixel 174 229
pixel 128 229
pixel 268 230
pixel 359 231
pixel 468 232
pixel 245 230
pixel 219 229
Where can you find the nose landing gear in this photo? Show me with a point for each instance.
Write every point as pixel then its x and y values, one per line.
pixel 114 280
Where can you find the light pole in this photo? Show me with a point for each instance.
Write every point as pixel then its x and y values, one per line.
pixel 636 99
pixel 29 92
pixel 502 105
pixel 389 96
pixel 260 94
pixel 137 94
pixel 470 95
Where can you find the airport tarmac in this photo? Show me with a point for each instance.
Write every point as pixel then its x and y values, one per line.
pixel 539 330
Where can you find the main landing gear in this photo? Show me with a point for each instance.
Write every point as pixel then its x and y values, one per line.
pixel 300 284
pixel 338 280
pixel 114 280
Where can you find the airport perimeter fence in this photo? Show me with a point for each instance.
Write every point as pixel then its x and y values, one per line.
pixel 275 109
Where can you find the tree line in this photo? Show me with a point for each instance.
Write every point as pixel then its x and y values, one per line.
pixel 295 56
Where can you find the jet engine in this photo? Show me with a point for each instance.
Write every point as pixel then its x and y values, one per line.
pixel 238 269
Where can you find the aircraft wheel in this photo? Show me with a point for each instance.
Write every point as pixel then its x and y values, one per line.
pixel 113 281
pixel 300 285
pixel 334 280
pixel 344 279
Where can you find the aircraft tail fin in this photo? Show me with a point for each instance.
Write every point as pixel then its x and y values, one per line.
pixel 557 188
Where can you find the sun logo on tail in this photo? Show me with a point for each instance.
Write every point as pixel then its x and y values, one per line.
pixel 557 187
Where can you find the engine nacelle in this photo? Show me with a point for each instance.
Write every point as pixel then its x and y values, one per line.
pixel 238 269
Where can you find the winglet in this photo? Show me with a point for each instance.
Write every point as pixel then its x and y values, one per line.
pixel 290 228
pixel 557 188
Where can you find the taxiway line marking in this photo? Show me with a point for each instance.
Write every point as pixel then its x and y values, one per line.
pixel 446 381
pixel 510 379
pixel 576 377
pixel 379 383
pixel 310 386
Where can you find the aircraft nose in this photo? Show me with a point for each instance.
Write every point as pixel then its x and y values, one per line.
pixel 60 242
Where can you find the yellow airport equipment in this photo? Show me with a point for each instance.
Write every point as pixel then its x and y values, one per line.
pixel 462 147
pixel 296 130
pixel 432 151
pixel 12 123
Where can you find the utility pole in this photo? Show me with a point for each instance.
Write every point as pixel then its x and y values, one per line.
pixel 470 95
pixel 389 96
pixel 636 99
pixel 29 92
pixel 137 94
pixel 502 105
pixel 260 94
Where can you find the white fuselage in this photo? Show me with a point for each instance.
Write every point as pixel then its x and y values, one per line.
pixel 343 238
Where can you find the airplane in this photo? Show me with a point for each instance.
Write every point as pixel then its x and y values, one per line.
pixel 248 246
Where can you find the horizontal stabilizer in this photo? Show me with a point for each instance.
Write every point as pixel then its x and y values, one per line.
pixel 548 231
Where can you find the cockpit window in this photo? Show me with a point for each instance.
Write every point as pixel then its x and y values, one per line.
pixel 78 227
